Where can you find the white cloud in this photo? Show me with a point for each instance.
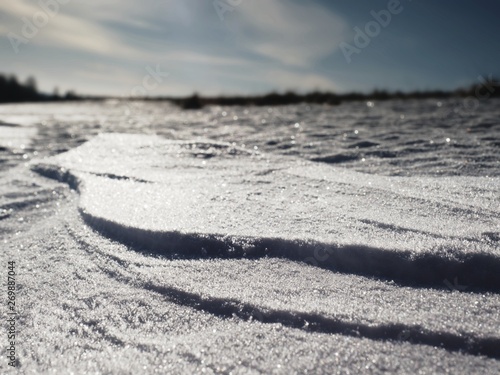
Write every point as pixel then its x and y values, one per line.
pixel 275 44
pixel 200 58
pixel 291 33
pixel 64 30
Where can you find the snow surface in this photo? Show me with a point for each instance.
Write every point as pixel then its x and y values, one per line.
pixel 145 255
pixel 204 198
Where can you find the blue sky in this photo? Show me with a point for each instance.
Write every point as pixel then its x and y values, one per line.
pixel 247 46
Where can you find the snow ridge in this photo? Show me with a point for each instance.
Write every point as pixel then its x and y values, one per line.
pixel 228 308
pixel 310 322
pixel 160 197
pixel 478 271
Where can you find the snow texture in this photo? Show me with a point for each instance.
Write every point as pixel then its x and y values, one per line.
pixel 145 255
pixel 192 199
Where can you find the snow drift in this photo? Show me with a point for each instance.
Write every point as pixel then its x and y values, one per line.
pixel 190 199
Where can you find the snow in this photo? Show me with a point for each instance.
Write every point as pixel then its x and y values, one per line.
pixel 187 198
pixel 196 254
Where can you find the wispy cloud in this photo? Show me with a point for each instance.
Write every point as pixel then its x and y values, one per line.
pixel 64 30
pixel 268 45
pixel 293 33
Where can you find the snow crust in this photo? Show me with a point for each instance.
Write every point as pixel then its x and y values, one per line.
pixel 254 249
pixel 91 305
pixel 195 199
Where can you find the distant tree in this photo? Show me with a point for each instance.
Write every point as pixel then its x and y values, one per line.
pixel 193 102
pixel 70 95
pixel 31 83
pixel 13 91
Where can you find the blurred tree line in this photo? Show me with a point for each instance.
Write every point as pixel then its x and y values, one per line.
pixel 486 88
pixel 13 91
